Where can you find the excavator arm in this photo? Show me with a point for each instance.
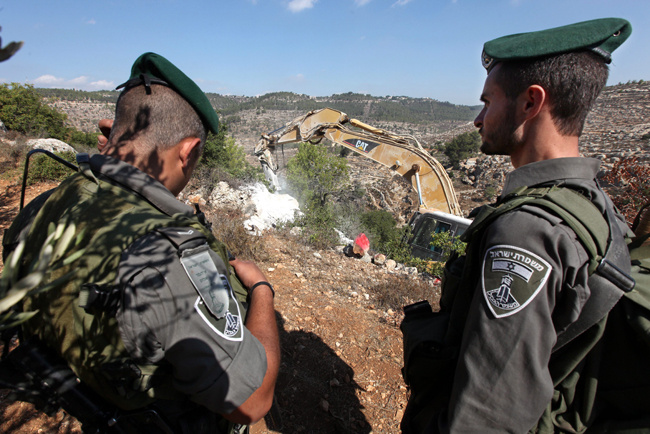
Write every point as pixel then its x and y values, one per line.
pixel 402 153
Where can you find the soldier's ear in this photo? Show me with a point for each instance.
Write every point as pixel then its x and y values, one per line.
pixel 532 100
pixel 189 150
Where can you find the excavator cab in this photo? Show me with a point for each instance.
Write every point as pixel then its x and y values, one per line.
pixel 424 225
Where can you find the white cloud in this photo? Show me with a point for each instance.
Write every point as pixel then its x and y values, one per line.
pixel 91 21
pixel 48 80
pixel 301 5
pixel 81 82
pixel 361 2
pixel 298 77
pixel 103 85
pixel 401 2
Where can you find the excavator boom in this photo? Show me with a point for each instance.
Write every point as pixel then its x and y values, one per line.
pixel 402 153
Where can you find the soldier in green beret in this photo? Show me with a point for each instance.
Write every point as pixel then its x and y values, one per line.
pixel 523 348
pixel 159 318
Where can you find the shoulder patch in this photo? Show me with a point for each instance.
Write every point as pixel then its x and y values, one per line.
pixel 511 278
pixel 216 303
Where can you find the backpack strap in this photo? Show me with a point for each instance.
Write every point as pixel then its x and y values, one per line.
pixel 615 265
pixel 609 260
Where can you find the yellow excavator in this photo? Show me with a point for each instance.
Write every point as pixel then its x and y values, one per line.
pixel 439 210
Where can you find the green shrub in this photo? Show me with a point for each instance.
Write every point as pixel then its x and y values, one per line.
pixel 43 168
pixel 347 217
pixel 400 251
pixel 22 110
pixel 462 147
pixel 398 248
pixel 448 244
pixel 81 141
pixel 381 229
pixel 318 224
pixel 221 151
pixel 315 174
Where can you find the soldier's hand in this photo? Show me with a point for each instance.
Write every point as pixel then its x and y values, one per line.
pixel 105 126
pixel 247 272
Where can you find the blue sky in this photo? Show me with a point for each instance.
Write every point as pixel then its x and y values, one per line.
pixel 416 48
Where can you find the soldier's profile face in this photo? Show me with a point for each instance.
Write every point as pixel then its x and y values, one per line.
pixel 496 121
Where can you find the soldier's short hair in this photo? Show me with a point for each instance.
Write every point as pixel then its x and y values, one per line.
pixel 159 119
pixel 572 81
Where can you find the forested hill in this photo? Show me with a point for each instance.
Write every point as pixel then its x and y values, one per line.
pixel 367 107
pixel 356 105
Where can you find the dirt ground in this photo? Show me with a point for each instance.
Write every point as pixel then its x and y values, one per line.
pixel 341 351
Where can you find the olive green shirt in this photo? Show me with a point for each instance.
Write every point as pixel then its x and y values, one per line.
pixel 532 283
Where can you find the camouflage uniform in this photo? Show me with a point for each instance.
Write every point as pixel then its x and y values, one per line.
pixel 162 319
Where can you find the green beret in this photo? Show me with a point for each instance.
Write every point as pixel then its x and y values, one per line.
pixel 152 68
pixel 602 36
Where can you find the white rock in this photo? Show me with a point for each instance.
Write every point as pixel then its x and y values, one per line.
pixel 379 259
pixel 223 195
pixel 411 270
pixel 343 239
pixel 295 231
pixel 271 208
pixel 52 145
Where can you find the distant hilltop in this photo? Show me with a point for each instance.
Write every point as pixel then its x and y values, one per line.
pixel 620 121
pixel 362 106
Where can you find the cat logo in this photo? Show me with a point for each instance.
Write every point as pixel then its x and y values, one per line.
pixel 361 145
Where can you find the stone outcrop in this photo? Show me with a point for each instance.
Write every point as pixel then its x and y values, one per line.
pixel 52 145
pixel 618 127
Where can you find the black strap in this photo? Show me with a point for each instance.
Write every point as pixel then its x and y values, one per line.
pixel 607 285
pixel 200 215
pixel 617 259
pixel 145 79
pixel 99 297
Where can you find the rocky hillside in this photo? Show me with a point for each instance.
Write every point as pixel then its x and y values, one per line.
pixel 618 127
